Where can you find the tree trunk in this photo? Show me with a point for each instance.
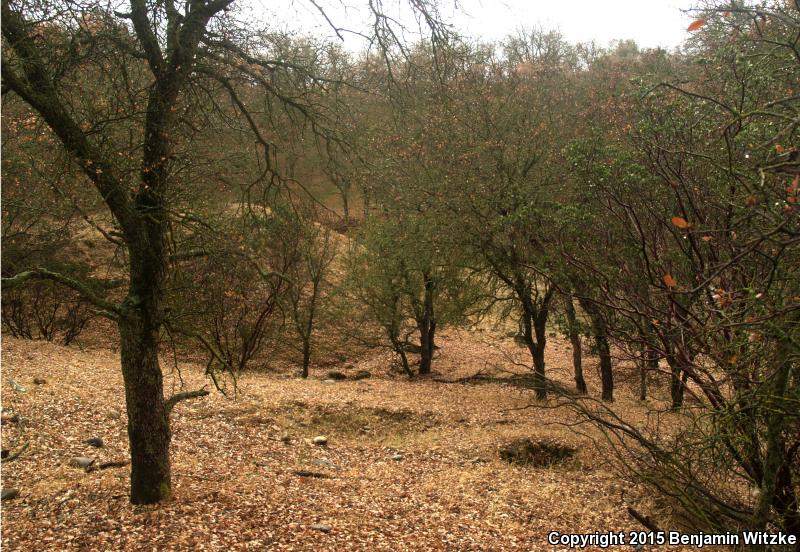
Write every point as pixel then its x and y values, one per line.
pixel 426 349
pixel 148 420
pixel 575 340
pixel 427 329
pixel 603 349
pixel 606 372
pixel 647 363
pixel 139 325
pixel 534 325
pixel 678 378
pixel 306 356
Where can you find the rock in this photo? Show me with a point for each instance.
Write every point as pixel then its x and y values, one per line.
pixel 39 381
pixel 320 440
pixel 321 527
pixel 9 419
pixel 9 494
pixel 15 386
pixel 397 457
pixel 81 462
pixel 285 439
pixel 95 442
pixel 337 376
pixel 329 381
pixel 115 415
pixel 324 464
pixel 362 374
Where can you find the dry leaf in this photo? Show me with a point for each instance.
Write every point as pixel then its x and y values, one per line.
pixel 680 222
pixel 696 24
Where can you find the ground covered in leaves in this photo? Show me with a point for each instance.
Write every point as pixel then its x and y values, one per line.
pixel 409 465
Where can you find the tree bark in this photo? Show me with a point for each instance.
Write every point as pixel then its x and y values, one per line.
pixel 600 331
pixel 427 329
pixel 649 364
pixel 148 420
pixel 306 357
pixel 575 340
pixel 606 372
pixel 534 325
pixel 678 378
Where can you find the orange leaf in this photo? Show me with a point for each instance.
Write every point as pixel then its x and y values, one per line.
pixel 696 24
pixel 680 222
pixel 791 189
pixel 751 200
pixel 669 281
pixel 707 238
pixel 732 360
pixel 726 14
pixel 779 148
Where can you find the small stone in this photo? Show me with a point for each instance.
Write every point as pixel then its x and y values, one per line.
pixel 478 460
pixel 321 527
pixel 322 463
pixel 39 381
pixel 81 462
pixel 334 375
pixel 285 439
pixel 320 440
pixel 95 442
pixel 397 457
pixel 9 494
pixel 115 415
pixel 362 374
pixel 329 381
pixel 15 386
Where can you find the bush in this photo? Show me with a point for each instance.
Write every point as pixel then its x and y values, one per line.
pixel 47 310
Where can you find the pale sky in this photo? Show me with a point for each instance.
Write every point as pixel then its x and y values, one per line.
pixel 649 22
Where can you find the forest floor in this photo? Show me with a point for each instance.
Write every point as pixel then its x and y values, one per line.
pixel 409 465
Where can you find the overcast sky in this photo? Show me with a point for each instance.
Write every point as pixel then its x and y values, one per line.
pixel 649 22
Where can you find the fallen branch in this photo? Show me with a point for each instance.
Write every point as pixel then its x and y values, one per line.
pixel 114 464
pixel 643 519
pixel 182 396
pixel 306 473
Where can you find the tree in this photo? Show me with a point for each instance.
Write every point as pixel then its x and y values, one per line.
pixel 698 187
pixel 308 277
pixel 410 282
pixel 153 68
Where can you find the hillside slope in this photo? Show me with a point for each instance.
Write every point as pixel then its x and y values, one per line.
pixel 408 465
